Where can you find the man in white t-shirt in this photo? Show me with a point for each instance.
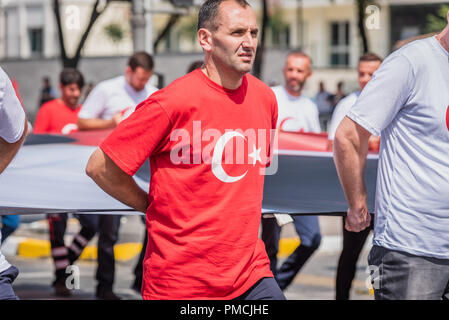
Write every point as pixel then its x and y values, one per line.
pixel 13 128
pixel 407 104
pixel 108 104
pixel 113 100
pixel 352 241
pixel 296 114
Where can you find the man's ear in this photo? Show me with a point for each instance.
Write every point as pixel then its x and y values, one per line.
pixel 205 39
pixel 310 74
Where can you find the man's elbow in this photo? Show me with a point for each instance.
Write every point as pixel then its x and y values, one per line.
pixel 94 165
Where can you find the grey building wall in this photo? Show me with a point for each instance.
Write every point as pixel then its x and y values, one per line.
pixel 29 73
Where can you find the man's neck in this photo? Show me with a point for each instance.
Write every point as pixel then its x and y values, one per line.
pixel 443 38
pixel 73 107
pixel 293 93
pixel 223 78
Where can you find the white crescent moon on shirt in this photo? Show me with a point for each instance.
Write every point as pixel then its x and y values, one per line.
pixel 217 169
pixel 69 128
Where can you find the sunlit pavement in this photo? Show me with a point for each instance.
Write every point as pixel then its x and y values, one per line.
pixel 315 282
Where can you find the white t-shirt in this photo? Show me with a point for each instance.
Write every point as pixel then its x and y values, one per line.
pixel 112 96
pixel 12 116
pixel 340 112
pixel 12 125
pixel 407 103
pixel 296 113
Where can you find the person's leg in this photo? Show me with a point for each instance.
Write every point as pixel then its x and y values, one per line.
pixel 403 276
pixel 353 243
pixel 270 236
pixel 10 223
pixel 108 236
pixel 57 224
pixel 308 229
pixel 89 227
pixel 264 289
pixel 6 279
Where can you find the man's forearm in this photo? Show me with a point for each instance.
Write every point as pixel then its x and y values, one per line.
pixel 95 124
pixel 9 150
pixel 350 167
pixel 350 151
pixel 109 177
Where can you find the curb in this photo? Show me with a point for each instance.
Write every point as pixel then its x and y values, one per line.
pixel 39 248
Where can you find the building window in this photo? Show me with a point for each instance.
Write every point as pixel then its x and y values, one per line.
pixel 339 46
pixel 35 36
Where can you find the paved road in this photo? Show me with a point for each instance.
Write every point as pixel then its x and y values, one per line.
pixel 316 281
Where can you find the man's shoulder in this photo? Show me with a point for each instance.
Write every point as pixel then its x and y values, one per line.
pixel 416 53
pixel 111 83
pixel 349 99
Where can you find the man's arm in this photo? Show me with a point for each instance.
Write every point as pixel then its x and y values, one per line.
pixel 350 151
pixel 115 182
pixel 9 150
pixel 99 124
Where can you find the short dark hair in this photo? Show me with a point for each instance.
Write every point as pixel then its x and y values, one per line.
pixel 141 59
pixel 369 56
pixel 71 76
pixel 207 16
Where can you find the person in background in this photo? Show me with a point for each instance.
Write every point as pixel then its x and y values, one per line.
pixel 47 91
pixel 107 105
pixel 353 242
pixel 60 116
pixel 296 113
pixel 324 104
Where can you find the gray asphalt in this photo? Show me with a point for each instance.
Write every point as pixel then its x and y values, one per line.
pixel 316 280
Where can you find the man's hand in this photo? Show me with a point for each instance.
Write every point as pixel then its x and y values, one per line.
pixel 118 117
pixel 357 219
pixel 350 151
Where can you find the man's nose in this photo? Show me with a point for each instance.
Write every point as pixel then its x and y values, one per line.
pixel 249 41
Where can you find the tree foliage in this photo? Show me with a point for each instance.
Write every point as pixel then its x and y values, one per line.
pixel 437 22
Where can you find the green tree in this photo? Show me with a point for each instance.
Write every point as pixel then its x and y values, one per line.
pixel 115 32
pixel 97 10
pixel 437 22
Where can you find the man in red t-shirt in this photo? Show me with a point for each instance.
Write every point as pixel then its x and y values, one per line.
pixel 207 136
pixel 60 116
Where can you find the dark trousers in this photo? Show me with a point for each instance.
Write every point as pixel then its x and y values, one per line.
pixel 7 277
pixel 138 270
pixel 264 289
pixel 107 227
pixel 353 243
pixel 308 230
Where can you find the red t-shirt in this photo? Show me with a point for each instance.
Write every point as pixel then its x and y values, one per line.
pixel 203 219
pixel 55 117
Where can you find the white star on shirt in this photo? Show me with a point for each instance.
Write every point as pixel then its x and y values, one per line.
pixel 255 155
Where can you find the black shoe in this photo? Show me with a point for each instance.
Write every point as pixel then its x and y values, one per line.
pixel 137 286
pixel 60 288
pixel 107 295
